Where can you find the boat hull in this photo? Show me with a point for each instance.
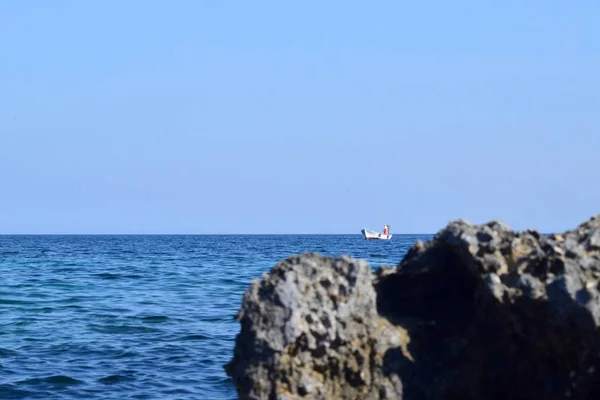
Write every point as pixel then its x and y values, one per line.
pixel 371 235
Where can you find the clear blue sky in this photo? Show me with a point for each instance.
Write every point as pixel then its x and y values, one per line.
pixel 297 117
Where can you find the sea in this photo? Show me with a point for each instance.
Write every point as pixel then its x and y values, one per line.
pixel 139 317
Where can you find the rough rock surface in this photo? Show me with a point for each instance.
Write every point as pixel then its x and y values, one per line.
pixel 310 329
pixel 478 312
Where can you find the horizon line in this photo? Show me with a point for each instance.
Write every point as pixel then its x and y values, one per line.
pixel 199 234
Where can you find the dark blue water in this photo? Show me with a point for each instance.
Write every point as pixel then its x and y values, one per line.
pixel 137 317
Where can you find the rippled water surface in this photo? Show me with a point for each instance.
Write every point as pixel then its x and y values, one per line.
pixel 137 317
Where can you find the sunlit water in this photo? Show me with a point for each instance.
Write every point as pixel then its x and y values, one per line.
pixel 138 317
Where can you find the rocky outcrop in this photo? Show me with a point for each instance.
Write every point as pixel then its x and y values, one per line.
pixel 478 312
pixel 310 329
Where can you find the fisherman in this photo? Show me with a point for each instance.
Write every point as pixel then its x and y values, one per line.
pixel 386 230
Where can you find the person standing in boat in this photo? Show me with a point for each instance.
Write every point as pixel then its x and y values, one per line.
pixel 386 230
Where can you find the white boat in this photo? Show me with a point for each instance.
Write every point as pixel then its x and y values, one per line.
pixel 373 235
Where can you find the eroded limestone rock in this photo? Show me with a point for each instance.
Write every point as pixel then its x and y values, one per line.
pixel 310 329
pixel 478 312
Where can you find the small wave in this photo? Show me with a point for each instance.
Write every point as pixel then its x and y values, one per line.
pixel 127 354
pixel 11 392
pixel 69 264
pixel 37 295
pixel 122 251
pixel 121 329
pixel 7 352
pixel 195 337
pixel 40 310
pixel 155 319
pixel 113 379
pixel 142 396
pixel 16 302
pixel 133 276
pixel 34 339
pixel 108 275
pixel 69 300
pixel 111 276
pixel 178 359
pixel 58 380
pixel 179 391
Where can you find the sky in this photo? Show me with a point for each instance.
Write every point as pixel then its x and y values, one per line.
pixel 193 116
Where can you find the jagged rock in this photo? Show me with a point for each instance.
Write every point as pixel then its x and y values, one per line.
pixel 478 312
pixel 310 329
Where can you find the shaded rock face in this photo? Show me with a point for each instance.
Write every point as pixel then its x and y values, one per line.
pixel 478 312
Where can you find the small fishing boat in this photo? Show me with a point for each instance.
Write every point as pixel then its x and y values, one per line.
pixel 373 235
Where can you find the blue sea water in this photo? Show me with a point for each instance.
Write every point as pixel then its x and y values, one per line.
pixel 138 317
